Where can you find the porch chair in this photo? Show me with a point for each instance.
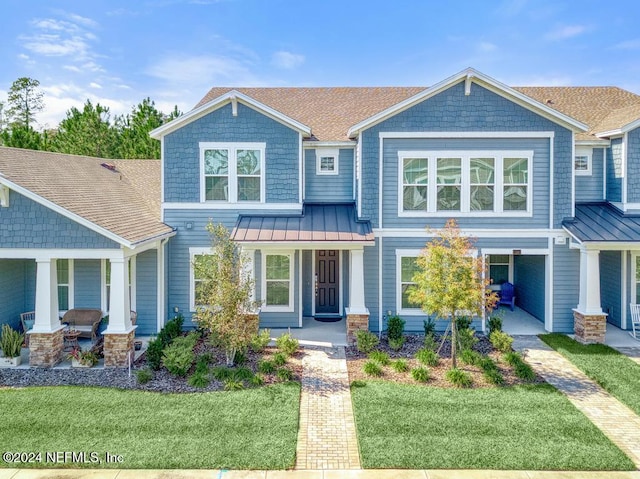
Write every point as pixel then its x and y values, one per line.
pixel 507 295
pixel 27 319
pixel 635 321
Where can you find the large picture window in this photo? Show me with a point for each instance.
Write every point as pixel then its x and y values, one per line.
pixel 433 183
pixel 232 172
pixel 277 286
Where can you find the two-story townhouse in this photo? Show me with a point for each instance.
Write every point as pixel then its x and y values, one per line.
pixel 329 192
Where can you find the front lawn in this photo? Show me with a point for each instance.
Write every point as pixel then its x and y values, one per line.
pixel 250 429
pixel 615 372
pixel 515 428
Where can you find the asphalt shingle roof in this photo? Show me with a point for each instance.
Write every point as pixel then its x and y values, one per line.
pixel 124 201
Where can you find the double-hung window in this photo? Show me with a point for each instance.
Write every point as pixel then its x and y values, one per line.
pixel 439 183
pixel 195 293
pixel 64 269
pixel 277 285
pixel 232 172
pixel 407 267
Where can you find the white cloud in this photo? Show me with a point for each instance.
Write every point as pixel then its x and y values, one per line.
pixel 87 22
pixel 628 45
pixel 566 31
pixel 287 60
pixel 22 56
pixel 72 68
pixel 95 85
pixel 54 46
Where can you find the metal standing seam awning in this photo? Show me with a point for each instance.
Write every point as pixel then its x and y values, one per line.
pixel 318 223
pixel 603 222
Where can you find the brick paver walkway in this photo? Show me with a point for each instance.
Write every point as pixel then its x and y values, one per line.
pixel 614 419
pixel 327 436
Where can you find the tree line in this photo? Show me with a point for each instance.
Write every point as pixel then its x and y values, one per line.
pixel 89 131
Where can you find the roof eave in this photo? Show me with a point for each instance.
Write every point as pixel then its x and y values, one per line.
pixel 620 131
pixel 470 75
pixel 594 142
pixel 232 95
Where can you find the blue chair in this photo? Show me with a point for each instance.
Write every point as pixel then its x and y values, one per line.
pixel 507 295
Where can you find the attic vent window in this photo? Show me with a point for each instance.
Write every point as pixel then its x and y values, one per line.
pixel 109 166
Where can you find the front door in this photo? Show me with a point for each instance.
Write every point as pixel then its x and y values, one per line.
pixel 327 292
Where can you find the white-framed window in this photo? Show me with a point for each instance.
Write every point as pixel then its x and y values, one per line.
pixel 277 281
pixel 106 283
pixel 474 183
pixel 636 278
pixel 406 267
pixel 499 268
pixel 194 280
pixel 232 172
pixel 582 161
pixel 327 161
pixel 64 269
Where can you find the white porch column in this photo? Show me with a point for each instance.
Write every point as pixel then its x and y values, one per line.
pixel 589 322
pixel 589 302
pixel 119 308
pixel 356 282
pixel 47 319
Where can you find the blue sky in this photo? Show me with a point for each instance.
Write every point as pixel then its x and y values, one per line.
pixel 119 52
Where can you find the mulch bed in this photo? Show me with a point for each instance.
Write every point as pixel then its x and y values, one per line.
pixel 413 343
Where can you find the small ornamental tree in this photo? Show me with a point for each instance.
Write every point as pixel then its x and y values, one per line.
pixel 450 280
pixel 223 294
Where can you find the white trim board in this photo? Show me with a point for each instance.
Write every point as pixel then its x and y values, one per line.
pixel 245 205
pixel 479 233
pixel 466 134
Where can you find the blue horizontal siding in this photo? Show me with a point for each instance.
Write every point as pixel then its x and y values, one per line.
pixel 147 292
pixel 27 224
pixel 13 300
pixel 181 160
pixel 566 287
pixel 590 187
pixel 87 283
pixel 614 171
pixel 329 188
pixel 529 281
pixel 611 285
pixel 633 166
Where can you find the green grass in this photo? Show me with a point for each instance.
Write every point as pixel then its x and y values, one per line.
pixel 612 370
pixel 251 429
pixel 526 427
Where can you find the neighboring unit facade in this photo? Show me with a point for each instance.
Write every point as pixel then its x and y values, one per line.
pixel 329 192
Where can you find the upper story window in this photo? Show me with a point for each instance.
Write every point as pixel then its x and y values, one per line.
pixel 582 161
pixel 475 183
pixel 232 172
pixel 326 161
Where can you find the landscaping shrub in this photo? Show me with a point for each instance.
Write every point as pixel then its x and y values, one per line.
pixel 257 380
pixel 242 374
pixel 221 373
pixel 430 342
pixel 239 358
pixel 396 344
pixel 421 375
pixel 395 327
pixel 143 376
pixel 466 338
pixel 512 358
pixel 178 358
pixel 520 367
pixel 266 367
pixel 11 341
pixel 495 324
pixel 287 344
pixel 487 364
pixel 372 368
pixel 459 378
pixel 171 330
pixel 463 322
pixel 470 357
pixel 380 356
pixel 366 341
pixel 188 341
pixel 284 374
pixel 501 341
pixel 400 365
pixel 233 385
pixel 493 376
pixel 279 359
pixel 260 341
pixel 154 353
pixel 199 380
pixel 428 357
pixel 429 326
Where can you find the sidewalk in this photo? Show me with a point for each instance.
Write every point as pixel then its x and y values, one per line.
pixel 613 418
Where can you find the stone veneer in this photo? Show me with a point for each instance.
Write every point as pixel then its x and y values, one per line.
pixel 589 328
pixel 45 349
pixel 117 347
pixel 356 322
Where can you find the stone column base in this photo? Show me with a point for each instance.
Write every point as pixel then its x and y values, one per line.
pixel 589 328
pixel 356 322
pixel 45 349
pixel 117 347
